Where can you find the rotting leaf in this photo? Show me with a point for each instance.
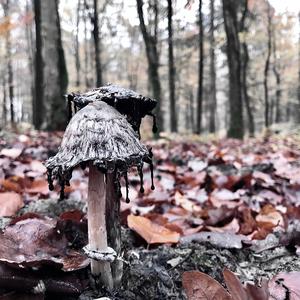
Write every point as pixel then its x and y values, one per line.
pixel 34 242
pixel 151 232
pixel 200 286
pixel 234 285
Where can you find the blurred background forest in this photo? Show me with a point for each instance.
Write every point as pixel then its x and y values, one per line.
pixel 227 67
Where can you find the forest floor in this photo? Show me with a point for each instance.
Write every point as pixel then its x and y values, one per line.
pixel 217 205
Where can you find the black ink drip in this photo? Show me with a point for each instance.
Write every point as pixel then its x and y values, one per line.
pixel 154 126
pixel 140 170
pixel 50 180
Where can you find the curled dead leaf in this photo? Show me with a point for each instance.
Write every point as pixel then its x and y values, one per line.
pixel 151 232
pixel 200 286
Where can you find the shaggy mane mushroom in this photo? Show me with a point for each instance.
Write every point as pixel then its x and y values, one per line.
pixel 127 102
pixel 100 137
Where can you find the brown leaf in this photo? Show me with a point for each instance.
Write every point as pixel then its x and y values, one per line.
pixel 151 232
pixel 269 217
pixel 39 186
pixel 10 185
pixel 199 286
pixel 37 241
pixel 234 286
pixel 10 203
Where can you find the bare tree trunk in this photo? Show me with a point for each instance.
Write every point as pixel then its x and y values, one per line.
pixel 267 66
pixel 212 70
pixel 30 43
pixel 52 64
pixel 77 55
pixel 278 80
pixel 96 37
pixel 150 41
pixel 6 8
pixel 172 71
pixel 244 70
pixel 4 104
pixel 191 106
pixel 200 71
pixel 86 51
pixel 236 125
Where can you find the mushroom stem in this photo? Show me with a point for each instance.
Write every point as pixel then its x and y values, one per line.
pixel 97 224
pixel 113 225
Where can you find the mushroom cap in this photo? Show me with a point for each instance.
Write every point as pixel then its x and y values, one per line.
pixel 100 134
pixel 124 100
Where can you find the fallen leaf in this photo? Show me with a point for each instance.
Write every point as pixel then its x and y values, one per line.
pixel 269 217
pixel 284 284
pixel 34 242
pixel 39 186
pixel 200 286
pixel 10 203
pixel 12 153
pixel 234 286
pixel 151 232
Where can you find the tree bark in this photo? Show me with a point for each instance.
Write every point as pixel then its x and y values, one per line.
pixel 172 71
pixel 244 70
pixel 95 21
pixel 30 45
pixel 51 72
pixel 77 54
pixel 150 41
pixel 4 104
pixel 267 66
pixel 277 78
pixel 10 82
pixel 236 125
pixel 212 71
pixel 200 71
pixel 38 105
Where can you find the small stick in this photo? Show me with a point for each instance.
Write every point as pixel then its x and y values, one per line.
pixel 97 224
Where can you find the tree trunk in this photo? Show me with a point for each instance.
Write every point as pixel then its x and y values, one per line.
pixel 152 57
pixel 38 105
pixel 212 71
pixel 96 37
pixel 278 80
pixel 30 45
pixel 50 62
pixel 246 98
pixel 244 70
pixel 4 104
pixel 267 66
pixel 236 126
pixel 77 55
pixel 172 71
pixel 6 8
pixel 200 71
